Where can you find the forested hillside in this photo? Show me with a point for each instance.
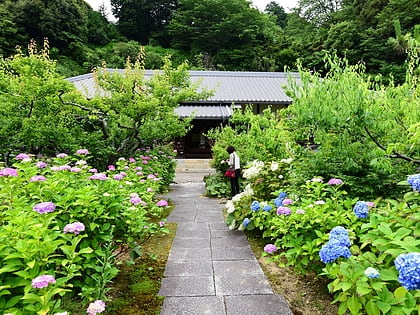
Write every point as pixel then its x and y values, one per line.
pixel 215 34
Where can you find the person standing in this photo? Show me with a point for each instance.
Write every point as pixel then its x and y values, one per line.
pixel 235 163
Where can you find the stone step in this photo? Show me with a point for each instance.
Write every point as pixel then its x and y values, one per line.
pixel 193 165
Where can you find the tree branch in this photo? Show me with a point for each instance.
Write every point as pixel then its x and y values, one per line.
pixel 395 154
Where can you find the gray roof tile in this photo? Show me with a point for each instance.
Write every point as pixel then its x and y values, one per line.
pixel 229 86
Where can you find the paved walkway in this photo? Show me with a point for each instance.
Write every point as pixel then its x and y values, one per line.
pixel 210 269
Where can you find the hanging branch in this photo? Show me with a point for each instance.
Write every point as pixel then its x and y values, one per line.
pixel 395 154
pixel 103 123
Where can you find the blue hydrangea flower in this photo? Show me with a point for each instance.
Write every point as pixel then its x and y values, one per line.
pixel 361 209
pixel 246 222
pixel 255 206
pixel 414 181
pixel 332 251
pixel 408 266
pixel 267 208
pixel 371 273
pixel 278 202
pixel 338 230
pixel 340 239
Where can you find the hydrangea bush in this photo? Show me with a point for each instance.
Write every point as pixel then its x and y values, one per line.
pixel 369 250
pixel 64 226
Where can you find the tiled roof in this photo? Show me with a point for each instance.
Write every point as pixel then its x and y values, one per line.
pixel 214 111
pixel 229 86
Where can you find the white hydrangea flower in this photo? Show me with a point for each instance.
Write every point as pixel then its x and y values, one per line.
pixel 255 168
pixel 232 226
pixel 287 161
pixel 241 227
pixel 274 166
pixel 230 206
pixel 248 191
pixel 238 197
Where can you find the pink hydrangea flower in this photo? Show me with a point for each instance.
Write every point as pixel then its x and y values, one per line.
pixel 270 248
pixel 149 189
pixel 41 164
pixel 151 176
pixel 283 211
pixel 370 204
pixel 320 202
pixel 161 223
pixel 135 200
pixel 132 160
pixel 62 155
pixel 98 176
pixel 287 201
pixel 23 157
pixel 300 211
pixel 37 178
pixel 75 228
pixel 44 207
pixel 93 170
pixel 111 167
pixel 9 172
pixel 96 307
pixel 118 177
pixel 162 203
pixel 75 170
pixel 42 281
pixel 335 181
pixel 145 162
pixel 82 151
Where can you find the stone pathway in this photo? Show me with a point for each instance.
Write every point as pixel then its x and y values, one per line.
pixel 210 269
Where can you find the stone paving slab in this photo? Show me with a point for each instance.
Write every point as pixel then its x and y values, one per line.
pixel 225 268
pixel 190 254
pixel 187 286
pixel 189 268
pixel 232 241
pixel 225 233
pixel 192 226
pixel 209 305
pixel 218 226
pixel 191 243
pixel 257 305
pixel 226 253
pixel 201 233
pixel 235 284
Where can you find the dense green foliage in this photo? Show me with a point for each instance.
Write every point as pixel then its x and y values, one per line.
pixel 214 34
pixel 116 211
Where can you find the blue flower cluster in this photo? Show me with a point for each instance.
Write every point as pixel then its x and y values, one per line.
pixel 246 222
pixel 414 181
pixel 278 202
pixel 255 206
pixel 371 273
pixel 267 208
pixel 408 266
pixel 337 246
pixel 361 209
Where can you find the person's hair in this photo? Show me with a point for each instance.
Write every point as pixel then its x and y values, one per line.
pixel 230 149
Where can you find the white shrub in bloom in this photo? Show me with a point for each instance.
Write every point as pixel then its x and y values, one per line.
pixel 287 161
pixel 248 191
pixel 254 169
pixel 230 206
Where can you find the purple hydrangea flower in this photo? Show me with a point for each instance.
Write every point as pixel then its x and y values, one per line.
pixel 93 170
pixel 82 151
pixel 161 223
pixel 300 211
pixel 41 164
pixel 284 211
pixel 22 156
pixel 75 169
pixel 151 176
pixel 62 155
pixel 135 199
pixel 162 203
pixel 98 176
pixel 44 207
pixel 246 222
pixel 255 206
pixel 408 266
pixel 111 167
pixel 287 201
pixel 75 228
pixel 335 181
pixel 96 307
pixel 371 273
pixel 8 172
pixel 414 182
pixel 361 210
pixel 37 178
pixel 320 202
pixel 118 177
pixel 270 248
pixel 132 160
pixel 42 281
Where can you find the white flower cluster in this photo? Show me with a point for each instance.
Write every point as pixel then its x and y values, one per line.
pixel 287 161
pixel 230 206
pixel 274 166
pixel 255 168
